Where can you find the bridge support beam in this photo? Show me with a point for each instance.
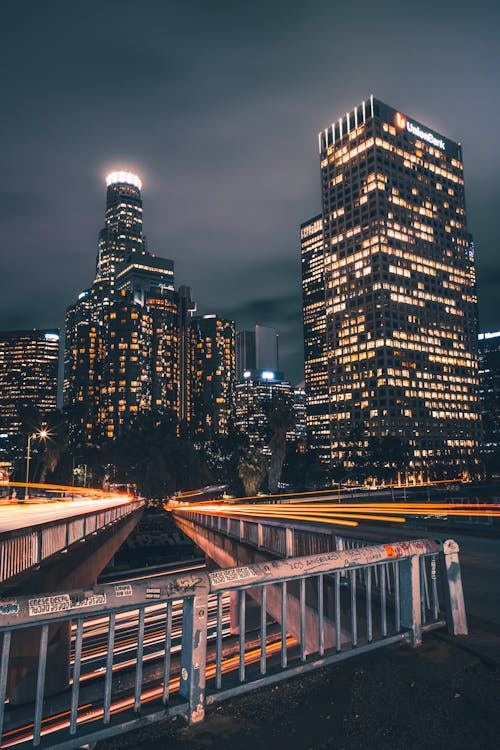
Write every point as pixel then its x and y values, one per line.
pixel 77 568
pixel 226 552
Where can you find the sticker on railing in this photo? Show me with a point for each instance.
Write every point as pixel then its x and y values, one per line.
pixel 153 593
pixel 45 605
pixel 390 550
pixel 231 575
pixel 9 607
pixel 123 589
pixel 91 600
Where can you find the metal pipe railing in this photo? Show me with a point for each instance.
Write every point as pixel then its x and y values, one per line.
pixel 26 548
pixel 314 610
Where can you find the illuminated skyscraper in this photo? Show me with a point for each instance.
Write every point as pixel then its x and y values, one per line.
pixel 315 356
pixel 28 377
pixel 121 356
pixel 121 241
pixel 213 376
pixel 399 309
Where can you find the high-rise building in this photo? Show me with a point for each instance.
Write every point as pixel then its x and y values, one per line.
pixel 121 356
pixel 266 348
pixel 28 377
pixel 185 312
pixel 299 409
pixel 399 291
pixel 245 353
pixel 82 369
pixel 315 352
pixel 121 241
pixel 213 376
pixel 257 350
pixel 489 389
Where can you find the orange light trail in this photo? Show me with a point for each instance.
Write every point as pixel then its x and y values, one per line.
pixel 345 513
pixel 229 664
pixel 69 489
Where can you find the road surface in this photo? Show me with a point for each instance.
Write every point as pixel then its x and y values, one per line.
pixel 24 515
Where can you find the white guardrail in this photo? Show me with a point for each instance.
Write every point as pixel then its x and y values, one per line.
pixel 26 548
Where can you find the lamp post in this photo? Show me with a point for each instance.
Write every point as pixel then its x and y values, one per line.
pixel 31 436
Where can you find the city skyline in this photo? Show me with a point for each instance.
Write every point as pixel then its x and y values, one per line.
pixel 222 138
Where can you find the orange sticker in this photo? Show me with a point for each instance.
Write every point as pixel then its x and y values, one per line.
pixel 390 550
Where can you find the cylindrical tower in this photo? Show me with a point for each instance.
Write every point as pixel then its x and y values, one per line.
pixel 122 236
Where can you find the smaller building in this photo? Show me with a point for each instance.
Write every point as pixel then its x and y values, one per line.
pixel 213 376
pixel 489 389
pixel 257 349
pixel 253 395
pixel 28 378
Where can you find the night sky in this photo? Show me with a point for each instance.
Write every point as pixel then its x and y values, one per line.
pixel 217 106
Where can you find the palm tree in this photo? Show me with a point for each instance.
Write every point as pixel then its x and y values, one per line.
pixel 252 470
pixel 281 419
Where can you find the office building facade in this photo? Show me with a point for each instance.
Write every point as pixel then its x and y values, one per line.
pixel 254 394
pixel 212 369
pixel 400 306
pixel 28 379
pixel 489 390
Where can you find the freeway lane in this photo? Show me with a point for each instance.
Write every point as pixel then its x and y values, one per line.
pixel 24 515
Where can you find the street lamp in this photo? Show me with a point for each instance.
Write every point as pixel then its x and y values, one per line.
pixel 31 436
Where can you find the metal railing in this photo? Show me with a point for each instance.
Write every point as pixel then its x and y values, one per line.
pixel 26 548
pixel 271 536
pixel 293 615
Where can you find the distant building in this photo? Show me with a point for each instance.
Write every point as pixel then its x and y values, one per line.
pixel 489 389
pixel 28 378
pixel 212 376
pixel 299 408
pixel 257 350
pixel 390 306
pixel 133 345
pixel 245 352
pixel 315 350
pixel 253 395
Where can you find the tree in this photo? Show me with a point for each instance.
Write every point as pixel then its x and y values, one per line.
pixel 55 445
pixel 223 455
pixel 252 469
pixel 281 419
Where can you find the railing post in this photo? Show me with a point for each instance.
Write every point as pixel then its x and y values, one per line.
pixel 455 605
pixel 288 542
pixel 259 536
pixel 339 543
pixel 409 583
pixel 234 617
pixel 242 525
pixel 40 548
pixel 194 654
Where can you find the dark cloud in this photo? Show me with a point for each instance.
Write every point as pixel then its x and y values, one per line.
pixel 217 105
